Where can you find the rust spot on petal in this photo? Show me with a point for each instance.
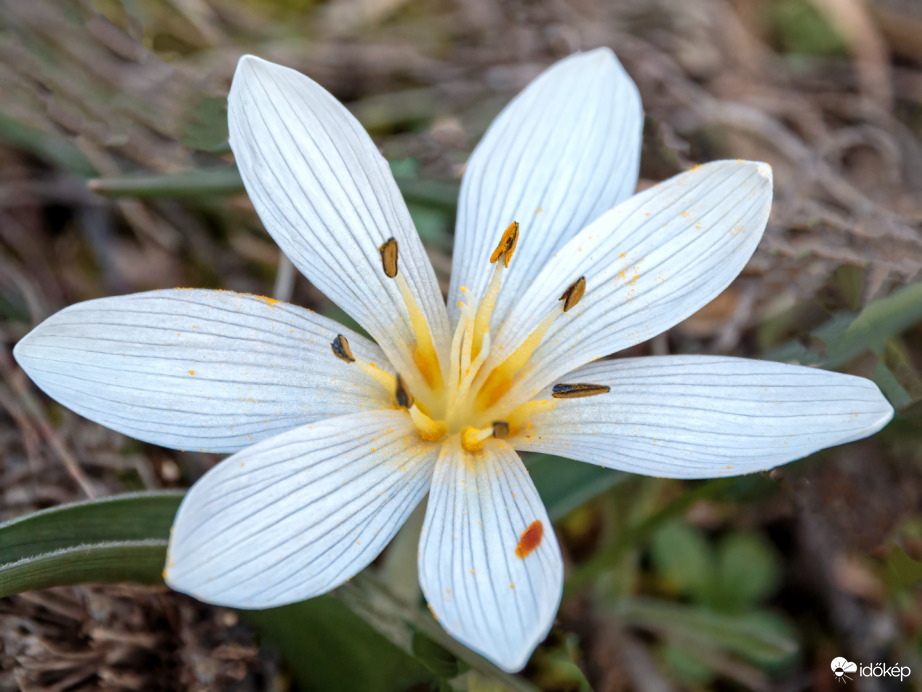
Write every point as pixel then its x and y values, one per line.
pixel 530 539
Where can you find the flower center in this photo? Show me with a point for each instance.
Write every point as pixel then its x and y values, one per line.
pixel 469 399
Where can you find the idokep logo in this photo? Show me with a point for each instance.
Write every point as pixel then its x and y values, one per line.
pixel 841 667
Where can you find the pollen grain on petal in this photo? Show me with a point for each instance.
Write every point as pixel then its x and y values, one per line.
pixel 530 539
pixel 578 390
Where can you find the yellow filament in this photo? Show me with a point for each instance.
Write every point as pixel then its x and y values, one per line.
pixel 430 430
pixel 518 419
pixel 485 310
pixel 454 358
pixel 474 368
pixel 467 342
pixel 472 439
pixel 499 381
pixel 425 357
pixel 385 379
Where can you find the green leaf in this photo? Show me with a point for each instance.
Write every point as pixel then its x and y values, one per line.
pixel 435 657
pixel 134 561
pixel 328 647
pixel 53 148
pixel 122 518
pixel 747 572
pixel 847 336
pixel 684 558
pixel 604 559
pixel 688 669
pixel 903 570
pixel 565 484
pixel 206 129
pixel 114 539
pixel 755 636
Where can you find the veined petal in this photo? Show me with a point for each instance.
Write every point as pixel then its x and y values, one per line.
pixel 564 151
pixel 297 515
pixel 489 563
pixel 706 416
pixel 199 370
pixel 329 200
pixel 649 263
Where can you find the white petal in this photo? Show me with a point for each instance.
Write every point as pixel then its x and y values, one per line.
pixel 298 514
pixel 329 200
pixel 706 416
pixel 480 589
pixel 649 263
pixel 560 154
pixel 198 370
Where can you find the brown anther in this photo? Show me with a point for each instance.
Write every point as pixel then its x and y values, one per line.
pixel 341 349
pixel 500 429
pixel 574 293
pixel 389 258
pixel 578 391
pixel 404 398
pixel 506 244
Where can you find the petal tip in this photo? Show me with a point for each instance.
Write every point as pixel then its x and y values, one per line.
pixel 601 56
pixel 764 169
pixel 18 351
pixel 248 61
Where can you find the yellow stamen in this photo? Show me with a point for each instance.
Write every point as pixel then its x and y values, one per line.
pixel 472 439
pixel 503 250
pixel 499 381
pixel 454 357
pixel 506 244
pixel 578 391
pixel 473 369
pixel 341 349
pixel 385 379
pixel 389 257
pixel 425 357
pixel 402 394
pixel 518 419
pixel 485 309
pixel 574 293
pixel 430 430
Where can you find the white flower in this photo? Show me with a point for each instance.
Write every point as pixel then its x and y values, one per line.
pixel 338 439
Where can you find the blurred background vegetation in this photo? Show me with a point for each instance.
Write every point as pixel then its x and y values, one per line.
pixel 115 177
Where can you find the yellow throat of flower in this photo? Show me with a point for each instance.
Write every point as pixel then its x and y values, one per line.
pixel 466 398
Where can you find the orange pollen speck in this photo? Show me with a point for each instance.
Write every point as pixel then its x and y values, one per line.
pixel 530 539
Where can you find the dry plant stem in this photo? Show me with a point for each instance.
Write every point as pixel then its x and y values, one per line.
pixel 31 405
